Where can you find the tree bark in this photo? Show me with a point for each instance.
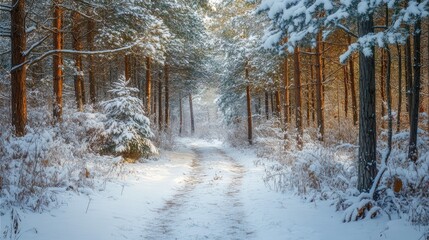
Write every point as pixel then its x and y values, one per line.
pixel 167 95
pixel 319 89
pixel 382 85
pixel 180 115
pixel 308 99
pixel 148 86
pixel 191 109
pixel 91 69
pixel 389 100
pixel 286 93
pixel 58 60
pixel 346 91
pixel 367 169
pixel 297 78
pixel 353 86
pixel 313 100
pixel 160 117
pixel 398 119
pixel 267 107
pixel 408 75
pixel 415 104
pixel 18 75
pixel 278 104
pixel 78 74
pixel 249 109
pixel 127 67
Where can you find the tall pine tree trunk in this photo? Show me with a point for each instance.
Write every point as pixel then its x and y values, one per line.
pixel 180 115
pixel 160 117
pixel 353 86
pixel 267 107
pixel 278 104
pixel 78 74
pixel 308 99
pixel 297 83
pixel 191 110
pixel 313 100
pixel 382 85
pixel 127 67
pixel 58 59
pixel 286 92
pixel 319 89
pixel 415 104
pixel 367 168
pixel 408 75
pixel 346 91
pixel 167 95
pixel 148 86
pixel 91 70
pixel 249 109
pixel 18 75
pixel 398 119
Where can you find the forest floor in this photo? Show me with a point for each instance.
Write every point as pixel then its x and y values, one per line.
pixel 200 190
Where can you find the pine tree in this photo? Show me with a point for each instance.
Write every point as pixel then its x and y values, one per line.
pixel 128 130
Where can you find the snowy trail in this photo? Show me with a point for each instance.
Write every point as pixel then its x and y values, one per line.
pixel 208 206
pixel 202 190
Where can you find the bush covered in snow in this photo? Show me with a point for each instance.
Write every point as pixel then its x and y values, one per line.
pixel 328 172
pixel 52 159
pixel 127 128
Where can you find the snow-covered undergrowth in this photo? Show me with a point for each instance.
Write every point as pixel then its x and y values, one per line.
pixel 328 171
pixel 52 159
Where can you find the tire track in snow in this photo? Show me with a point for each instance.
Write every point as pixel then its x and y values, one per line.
pixel 208 206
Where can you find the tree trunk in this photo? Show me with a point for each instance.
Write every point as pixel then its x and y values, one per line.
pixel 191 109
pixel 313 110
pixel 167 95
pixel 155 101
pixel 273 108
pixel 415 106
pixel 353 86
pixel 78 72
pixel 160 117
pixel 127 67
pixel 58 60
pixel 18 75
pixel 319 89
pixel 367 169
pixel 180 115
pixel 389 100
pixel 91 70
pixel 286 93
pixel 278 107
pixel 297 78
pixel 346 91
pixel 382 85
pixel 148 86
pixel 398 119
pixel 267 107
pixel 249 110
pixel 307 96
pixel 408 75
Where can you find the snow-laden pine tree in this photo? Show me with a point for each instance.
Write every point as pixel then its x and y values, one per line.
pixel 128 130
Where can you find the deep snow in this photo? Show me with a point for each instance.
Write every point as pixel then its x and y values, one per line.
pixel 201 190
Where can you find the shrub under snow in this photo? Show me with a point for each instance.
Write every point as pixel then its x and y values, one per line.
pixel 127 128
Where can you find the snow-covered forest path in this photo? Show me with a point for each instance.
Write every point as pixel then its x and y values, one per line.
pixel 201 190
pixel 208 205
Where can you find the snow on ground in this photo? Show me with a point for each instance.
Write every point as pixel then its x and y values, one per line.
pixel 203 190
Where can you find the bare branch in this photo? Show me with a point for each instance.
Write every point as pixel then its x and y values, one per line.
pixel 35 45
pixel 67 51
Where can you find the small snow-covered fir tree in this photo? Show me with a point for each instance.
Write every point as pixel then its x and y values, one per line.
pixel 127 128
